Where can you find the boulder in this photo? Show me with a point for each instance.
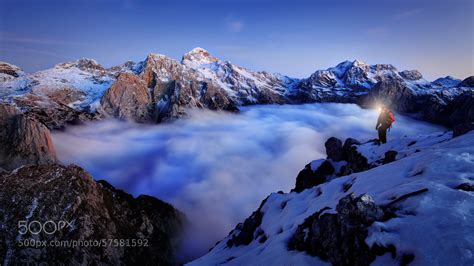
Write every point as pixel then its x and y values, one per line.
pixel 340 238
pixel 23 140
pixel 390 156
pixel 307 178
pixel 75 209
pixel 356 162
pixel 334 149
pixel 128 98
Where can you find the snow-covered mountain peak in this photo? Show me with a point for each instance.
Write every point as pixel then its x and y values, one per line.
pixel 359 63
pixel 447 81
pixel 9 71
pixel 411 74
pixel 156 56
pixel 85 64
pixel 198 57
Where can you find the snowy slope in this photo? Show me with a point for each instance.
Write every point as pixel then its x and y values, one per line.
pixel 436 227
pixel 85 76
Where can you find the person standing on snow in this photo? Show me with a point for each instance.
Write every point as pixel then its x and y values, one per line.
pixel 384 122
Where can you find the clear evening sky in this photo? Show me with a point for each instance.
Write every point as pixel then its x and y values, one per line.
pixel 293 37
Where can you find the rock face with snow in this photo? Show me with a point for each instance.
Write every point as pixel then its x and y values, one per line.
pixel 397 212
pixel 23 140
pixel 242 85
pixel 175 87
pixel 468 82
pixel 128 98
pixel 340 237
pixel 90 214
pixel 9 71
pixel 72 91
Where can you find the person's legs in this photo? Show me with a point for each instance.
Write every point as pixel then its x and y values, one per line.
pixel 383 134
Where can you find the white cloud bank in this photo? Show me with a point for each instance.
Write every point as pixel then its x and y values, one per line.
pixel 217 167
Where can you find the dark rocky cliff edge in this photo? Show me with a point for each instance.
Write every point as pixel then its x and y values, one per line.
pixel 51 213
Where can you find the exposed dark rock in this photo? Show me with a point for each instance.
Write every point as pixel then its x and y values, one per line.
pixel 308 178
pixel 347 185
pixel 23 140
pixel 467 82
pixel 390 156
pixel 144 227
pixel 403 197
pixel 462 129
pixel 249 230
pixel 334 149
pixel 465 187
pixel 460 110
pixel 356 162
pixel 340 238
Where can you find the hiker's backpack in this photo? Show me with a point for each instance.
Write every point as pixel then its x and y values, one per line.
pixel 391 118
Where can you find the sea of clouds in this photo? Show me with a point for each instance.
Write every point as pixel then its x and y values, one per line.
pixel 217 167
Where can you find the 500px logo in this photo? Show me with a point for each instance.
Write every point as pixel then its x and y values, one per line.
pixel 48 227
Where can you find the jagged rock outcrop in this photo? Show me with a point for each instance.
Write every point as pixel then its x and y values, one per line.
pixel 9 71
pixel 462 129
pixel 323 170
pixel 129 99
pixel 467 82
pixel 108 226
pixel 334 149
pixel 23 140
pixel 85 64
pixel 249 230
pixel 310 177
pixel 340 238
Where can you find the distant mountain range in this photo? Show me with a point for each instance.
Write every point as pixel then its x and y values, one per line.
pixel 160 88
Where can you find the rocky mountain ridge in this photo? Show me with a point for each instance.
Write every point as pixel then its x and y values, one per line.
pixel 77 91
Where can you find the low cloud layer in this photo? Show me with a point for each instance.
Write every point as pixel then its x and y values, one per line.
pixel 217 167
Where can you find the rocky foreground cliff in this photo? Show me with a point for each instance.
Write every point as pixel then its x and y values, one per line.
pixel 51 213
pixel 160 88
pixel 410 201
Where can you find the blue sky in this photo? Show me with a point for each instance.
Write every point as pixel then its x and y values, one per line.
pixel 290 37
